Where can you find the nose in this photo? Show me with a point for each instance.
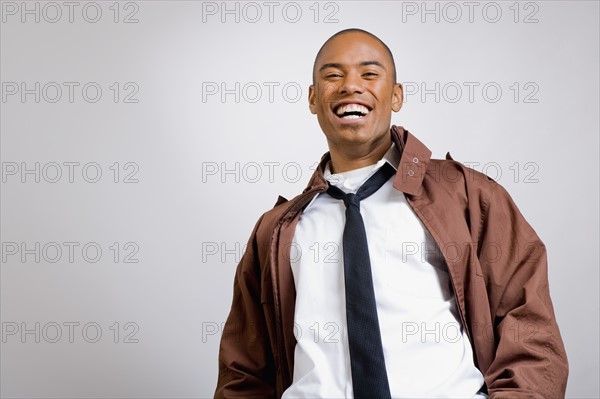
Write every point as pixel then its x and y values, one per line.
pixel 352 83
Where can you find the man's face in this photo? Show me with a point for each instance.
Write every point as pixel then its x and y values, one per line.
pixel 354 93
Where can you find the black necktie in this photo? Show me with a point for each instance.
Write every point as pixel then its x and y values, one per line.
pixel 369 376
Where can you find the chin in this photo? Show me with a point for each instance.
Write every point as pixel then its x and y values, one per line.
pixel 353 134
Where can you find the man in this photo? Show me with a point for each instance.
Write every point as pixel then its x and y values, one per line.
pixel 392 274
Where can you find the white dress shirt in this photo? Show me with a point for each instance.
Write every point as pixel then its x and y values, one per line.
pixel 427 352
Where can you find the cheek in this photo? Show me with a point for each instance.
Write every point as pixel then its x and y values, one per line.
pixel 385 101
pixel 326 92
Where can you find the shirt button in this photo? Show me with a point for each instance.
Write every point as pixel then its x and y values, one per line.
pixel 415 160
pixel 411 172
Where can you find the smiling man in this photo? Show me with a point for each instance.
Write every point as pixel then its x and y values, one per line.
pixel 392 274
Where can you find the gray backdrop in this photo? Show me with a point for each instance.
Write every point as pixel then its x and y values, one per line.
pixel 142 140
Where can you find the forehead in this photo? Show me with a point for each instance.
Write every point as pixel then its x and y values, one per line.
pixel 352 48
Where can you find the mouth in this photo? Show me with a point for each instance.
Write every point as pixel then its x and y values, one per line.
pixel 350 111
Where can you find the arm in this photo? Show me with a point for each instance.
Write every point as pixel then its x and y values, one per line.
pixel 530 357
pixel 246 366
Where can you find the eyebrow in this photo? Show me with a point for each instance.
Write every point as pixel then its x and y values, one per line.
pixel 339 66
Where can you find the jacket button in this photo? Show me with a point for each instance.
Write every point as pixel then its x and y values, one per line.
pixel 411 172
pixel 415 160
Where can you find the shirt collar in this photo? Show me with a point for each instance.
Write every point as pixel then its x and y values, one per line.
pixel 411 167
pixel 392 156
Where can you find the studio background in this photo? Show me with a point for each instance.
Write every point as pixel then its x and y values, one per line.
pixel 141 141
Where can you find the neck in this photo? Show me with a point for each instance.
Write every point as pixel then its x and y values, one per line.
pixel 346 158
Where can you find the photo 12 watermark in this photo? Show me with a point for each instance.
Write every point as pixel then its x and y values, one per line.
pixel 69 92
pixel 452 12
pixel 252 12
pixel 490 92
pixel 69 172
pixel 69 252
pixel 54 12
pixel 53 332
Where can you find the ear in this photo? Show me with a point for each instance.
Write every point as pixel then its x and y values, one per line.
pixel 397 97
pixel 312 105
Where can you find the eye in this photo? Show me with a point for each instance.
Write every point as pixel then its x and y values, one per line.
pixel 333 75
pixel 370 74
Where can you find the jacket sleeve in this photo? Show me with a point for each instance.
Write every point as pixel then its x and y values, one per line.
pixel 530 358
pixel 246 366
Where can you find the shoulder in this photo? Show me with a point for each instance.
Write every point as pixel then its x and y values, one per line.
pixel 455 176
pixel 282 210
pixel 464 185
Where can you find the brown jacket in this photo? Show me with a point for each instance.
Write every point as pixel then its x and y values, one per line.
pixel 496 262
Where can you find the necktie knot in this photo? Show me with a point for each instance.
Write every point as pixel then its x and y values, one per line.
pixel 369 187
pixel 352 200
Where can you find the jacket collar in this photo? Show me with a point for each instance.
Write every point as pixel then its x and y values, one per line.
pixel 414 158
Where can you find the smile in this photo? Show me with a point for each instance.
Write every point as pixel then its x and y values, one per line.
pixel 351 111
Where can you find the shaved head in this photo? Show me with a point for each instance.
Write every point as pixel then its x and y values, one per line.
pixel 356 30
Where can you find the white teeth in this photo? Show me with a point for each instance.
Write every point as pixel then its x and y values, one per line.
pixel 351 116
pixel 342 109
